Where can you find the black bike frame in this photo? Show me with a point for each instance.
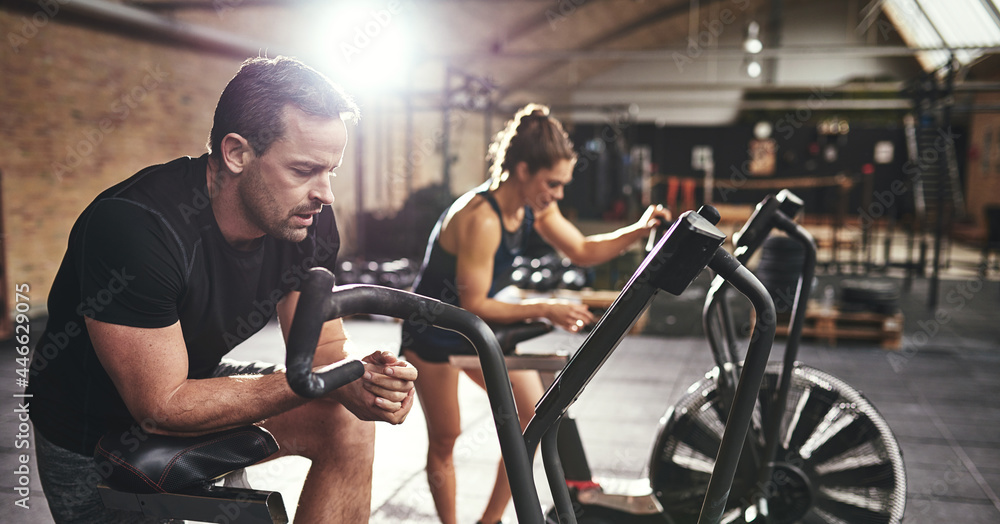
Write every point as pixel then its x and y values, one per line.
pixel 635 297
pixel 690 245
pixel 770 214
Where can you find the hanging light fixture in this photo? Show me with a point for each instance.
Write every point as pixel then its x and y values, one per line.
pixel 753 46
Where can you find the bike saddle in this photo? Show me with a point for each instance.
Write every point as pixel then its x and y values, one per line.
pixel 140 462
pixel 510 335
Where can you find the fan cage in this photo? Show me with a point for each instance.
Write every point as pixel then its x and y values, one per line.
pixel 850 445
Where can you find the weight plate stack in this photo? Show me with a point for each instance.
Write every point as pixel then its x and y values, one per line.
pixel 878 296
pixel 780 267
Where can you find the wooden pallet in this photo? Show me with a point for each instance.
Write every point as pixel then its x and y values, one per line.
pixel 831 324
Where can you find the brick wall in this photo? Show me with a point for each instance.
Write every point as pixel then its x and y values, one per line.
pixel 82 108
pixel 982 181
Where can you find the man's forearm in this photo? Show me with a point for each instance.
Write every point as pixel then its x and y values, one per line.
pixel 200 406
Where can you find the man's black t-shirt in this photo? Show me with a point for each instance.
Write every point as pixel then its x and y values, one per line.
pixel 148 253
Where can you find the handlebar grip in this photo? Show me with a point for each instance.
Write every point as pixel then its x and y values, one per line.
pixel 319 303
pixel 710 213
pixel 311 313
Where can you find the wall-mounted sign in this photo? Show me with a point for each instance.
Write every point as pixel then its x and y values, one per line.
pixel 762 157
pixel 701 158
pixel 883 152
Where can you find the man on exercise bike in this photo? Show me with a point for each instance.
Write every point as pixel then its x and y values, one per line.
pixel 170 269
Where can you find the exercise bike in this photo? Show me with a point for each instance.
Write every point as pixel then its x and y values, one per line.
pixel 691 244
pixel 817 450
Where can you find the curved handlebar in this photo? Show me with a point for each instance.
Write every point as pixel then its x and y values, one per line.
pixel 307 324
pixel 319 303
pixel 748 239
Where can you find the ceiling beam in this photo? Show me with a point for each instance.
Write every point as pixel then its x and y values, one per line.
pixel 213 5
pixel 608 37
pixel 660 55
pixel 146 25
pixel 665 87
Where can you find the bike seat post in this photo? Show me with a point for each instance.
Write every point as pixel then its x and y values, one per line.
pixel 754 366
pixel 799 305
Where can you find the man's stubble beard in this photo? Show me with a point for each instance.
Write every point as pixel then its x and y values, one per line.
pixel 263 210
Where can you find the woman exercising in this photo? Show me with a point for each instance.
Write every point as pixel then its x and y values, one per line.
pixel 469 255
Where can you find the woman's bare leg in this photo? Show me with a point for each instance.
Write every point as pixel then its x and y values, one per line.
pixel 437 390
pixel 527 386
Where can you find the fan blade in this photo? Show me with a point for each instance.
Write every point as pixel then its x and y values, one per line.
pixel 878 476
pixel 849 437
pixel 850 509
pixel 698 433
pixel 813 406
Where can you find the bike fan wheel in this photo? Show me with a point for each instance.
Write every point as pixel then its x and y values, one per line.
pixel 837 461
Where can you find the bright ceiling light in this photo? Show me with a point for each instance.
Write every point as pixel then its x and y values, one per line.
pixel 752 44
pixel 753 69
pixel 366 47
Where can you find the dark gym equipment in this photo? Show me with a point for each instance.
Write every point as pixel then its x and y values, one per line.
pixel 817 450
pixel 399 273
pixel 780 268
pixel 691 244
pixel 879 296
pixel 509 335
pixel 992 241
pixel 548 272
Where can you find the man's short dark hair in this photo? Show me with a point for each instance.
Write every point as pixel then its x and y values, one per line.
pixel 253 102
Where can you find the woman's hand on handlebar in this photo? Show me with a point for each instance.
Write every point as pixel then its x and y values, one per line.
pixel 384 393
pixel 654 216
pixel 568 315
